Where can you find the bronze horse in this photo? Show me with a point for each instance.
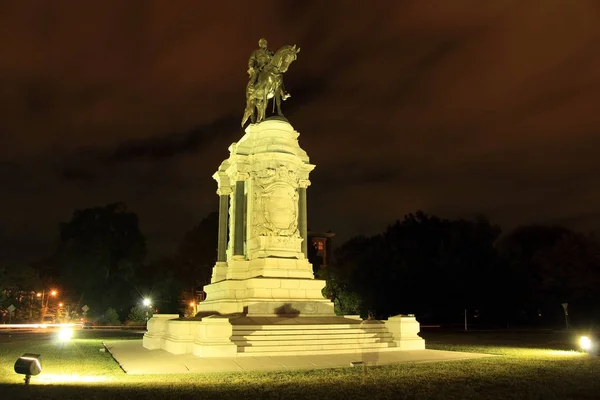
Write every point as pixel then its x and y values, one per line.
pixel 269 85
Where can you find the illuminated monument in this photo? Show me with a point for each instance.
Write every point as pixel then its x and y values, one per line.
pixel 263 298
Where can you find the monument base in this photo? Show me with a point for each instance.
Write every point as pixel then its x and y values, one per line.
pixel 263 299
pixel 241 335
pixel 260 296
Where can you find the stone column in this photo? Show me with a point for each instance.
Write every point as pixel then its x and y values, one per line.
pixel 302 218
pixel 223 221
pixel 238 237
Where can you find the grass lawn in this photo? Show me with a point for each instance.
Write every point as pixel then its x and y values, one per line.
pixel 532 366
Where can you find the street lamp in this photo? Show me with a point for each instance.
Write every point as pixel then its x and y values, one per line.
pixel 41 296
pixel 147 303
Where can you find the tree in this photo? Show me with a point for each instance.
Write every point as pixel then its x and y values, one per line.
pixel 139 315
pixel 18 286
pixel 99 252
pixel 547 266
pixel 345 301
pixel 172 281
pixel 198 252
pixel 109 318
pixel 164 281
pixel 422 264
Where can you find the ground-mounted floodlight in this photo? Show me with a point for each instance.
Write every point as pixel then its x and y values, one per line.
pixel 586 344
pixel 29 364
pixel 65 334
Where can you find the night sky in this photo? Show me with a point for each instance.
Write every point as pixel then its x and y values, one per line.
pixel 454 107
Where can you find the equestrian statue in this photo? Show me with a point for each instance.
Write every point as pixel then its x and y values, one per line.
pixel 266 70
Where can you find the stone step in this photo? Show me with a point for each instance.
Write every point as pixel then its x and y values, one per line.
pixel 354 336
pixel 315 338
pixel 307 348
pixel 361 353
pixel 275 327
pixel 261 331
pixel 309 341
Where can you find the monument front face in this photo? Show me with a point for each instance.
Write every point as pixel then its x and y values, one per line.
pixel 265 176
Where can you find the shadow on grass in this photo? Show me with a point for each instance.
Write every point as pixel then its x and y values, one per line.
pixel 288 391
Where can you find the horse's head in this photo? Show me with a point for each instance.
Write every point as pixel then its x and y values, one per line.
pixel 284 57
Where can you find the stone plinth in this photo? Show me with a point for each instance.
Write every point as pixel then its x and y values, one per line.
pixel 262 189
pixel 405 329
pixel 267 296
pixel 157 328
pixel 214 338
pixel 263 299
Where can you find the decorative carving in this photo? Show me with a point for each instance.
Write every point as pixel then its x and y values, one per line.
pixel 224 190
pixel 282 241
pixel 303 183
pixel 276 202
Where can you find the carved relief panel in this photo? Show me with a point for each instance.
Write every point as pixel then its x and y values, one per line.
pixel 275 211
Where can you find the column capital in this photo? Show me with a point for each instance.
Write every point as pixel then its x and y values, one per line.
pixel 242 176
pixel 224 190
pixel 303 183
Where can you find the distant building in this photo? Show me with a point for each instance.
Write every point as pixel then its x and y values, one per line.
pixel 320 249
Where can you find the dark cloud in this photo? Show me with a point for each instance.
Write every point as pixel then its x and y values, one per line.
pixel 454 107
pixel 174 145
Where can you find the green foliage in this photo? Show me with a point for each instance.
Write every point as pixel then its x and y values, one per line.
pixel 422 265
pixel 549 265
pixel 437 268
pixel 174 280
pixel 337 290
pixel 18 286
pixel 198 251
pixel 100 250
pixel 109 318
pixel 139 315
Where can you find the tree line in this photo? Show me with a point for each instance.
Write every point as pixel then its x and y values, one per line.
pixel 425 265
pixel 439 269
pixel 100 262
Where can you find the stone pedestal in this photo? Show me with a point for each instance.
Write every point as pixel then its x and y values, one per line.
pixel 214 338
pixel 157 328
pixel 263 298
pixel 264 269
pixel 405 330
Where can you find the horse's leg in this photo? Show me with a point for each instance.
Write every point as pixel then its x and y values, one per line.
pixel 258 108
pixel 263 106
pixel 248 112
pixel 278 102
pixel 252 111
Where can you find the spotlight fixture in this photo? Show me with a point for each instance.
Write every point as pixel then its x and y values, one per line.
pixel 29 364
pixel 65 334
pixel 586 343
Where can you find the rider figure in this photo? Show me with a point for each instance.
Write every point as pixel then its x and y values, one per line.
pixel 258 60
